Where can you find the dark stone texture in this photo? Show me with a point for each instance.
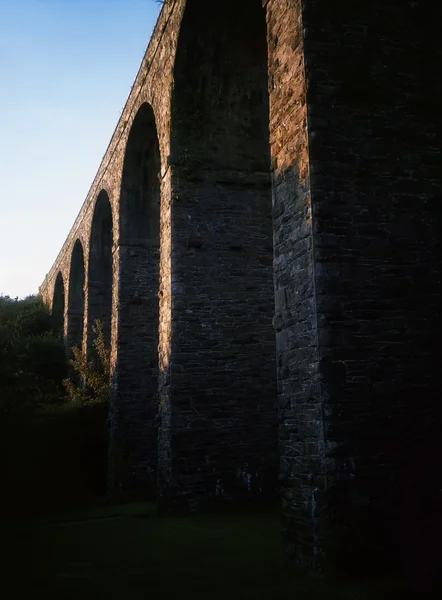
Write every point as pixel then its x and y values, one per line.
pixel 223 433
pixel 134 405
pixel 371 80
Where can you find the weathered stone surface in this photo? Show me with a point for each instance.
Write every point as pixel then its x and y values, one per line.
pixel 371 84
pixel 222 394
pixel 306 127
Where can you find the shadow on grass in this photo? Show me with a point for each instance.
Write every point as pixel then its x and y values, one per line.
pixel 126 551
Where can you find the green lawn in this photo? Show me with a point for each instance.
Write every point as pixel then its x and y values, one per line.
pixel 127 552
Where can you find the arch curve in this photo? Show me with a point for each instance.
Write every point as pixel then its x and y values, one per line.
pixel 75 312
pixel 58 305
pixel 100 269
pixel 140 189
pixel 135 401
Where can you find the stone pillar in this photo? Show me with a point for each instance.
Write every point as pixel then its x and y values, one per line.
pixel 221 413
pixel 300 397
pixel 134 402
pixel 135 395
pixel 364 354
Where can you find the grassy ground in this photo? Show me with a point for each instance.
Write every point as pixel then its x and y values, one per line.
pixel 127 552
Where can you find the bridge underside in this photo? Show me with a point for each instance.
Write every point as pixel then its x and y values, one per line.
pixel 262 244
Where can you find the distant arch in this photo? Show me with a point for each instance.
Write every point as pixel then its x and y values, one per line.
pixel 136 391
pixel 76 297
pixel 100 270
pixel 58 305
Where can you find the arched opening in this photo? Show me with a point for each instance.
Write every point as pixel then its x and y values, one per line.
pixel 135 402
pixel 140 187
pixel 223 438
pixel 58 306
pixel 76 298
pixel 100 271
pixel 220 115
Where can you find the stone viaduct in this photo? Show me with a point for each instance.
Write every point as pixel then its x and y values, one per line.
pixel 275 171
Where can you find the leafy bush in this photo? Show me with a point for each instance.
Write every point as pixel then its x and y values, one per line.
pixel 53 453
pixel 32 359
pixel 90 383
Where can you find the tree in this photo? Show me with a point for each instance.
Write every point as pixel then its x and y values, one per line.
pixel 32 358
pixel 91 382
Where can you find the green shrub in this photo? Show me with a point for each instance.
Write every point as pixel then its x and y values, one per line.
pixel 91 379
pixel 53 453
pixel 32 359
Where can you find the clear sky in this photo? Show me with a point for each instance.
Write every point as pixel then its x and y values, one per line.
pixel 66 68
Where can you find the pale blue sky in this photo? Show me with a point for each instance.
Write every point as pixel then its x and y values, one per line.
pixel 66 68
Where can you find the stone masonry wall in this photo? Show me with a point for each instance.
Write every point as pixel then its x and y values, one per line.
pixel 223 428
pixel 152 85
pixel 135 402
pixel 372 119
pixel 299 392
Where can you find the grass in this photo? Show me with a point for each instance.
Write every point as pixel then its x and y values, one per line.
pixel 127 552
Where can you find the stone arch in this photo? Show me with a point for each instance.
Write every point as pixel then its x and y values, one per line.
pixel 220 112
pixel 140 188
pixel 223 441
pixel 100 269
pixel 75 312
pixel 135 402
pixel 58 305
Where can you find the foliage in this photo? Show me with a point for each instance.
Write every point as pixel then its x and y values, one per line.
pixel 32 359
pixel 51 450
pixel 90 382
